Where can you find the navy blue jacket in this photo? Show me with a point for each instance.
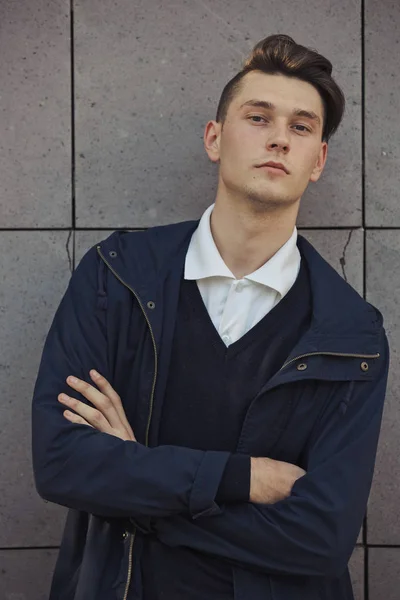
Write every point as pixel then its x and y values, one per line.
pixel 322 411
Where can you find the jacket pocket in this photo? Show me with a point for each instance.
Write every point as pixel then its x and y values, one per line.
pixel 251 585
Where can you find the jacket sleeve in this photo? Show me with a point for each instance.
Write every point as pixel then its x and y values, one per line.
pixel 312 532
pixel 79 467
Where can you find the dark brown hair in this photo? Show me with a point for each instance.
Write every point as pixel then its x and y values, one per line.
pixel 279 54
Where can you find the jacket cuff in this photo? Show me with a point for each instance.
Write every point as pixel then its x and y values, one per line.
pixel 208 477
pixel 235 482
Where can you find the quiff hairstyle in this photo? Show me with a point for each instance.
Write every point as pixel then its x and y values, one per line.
pixel 279 54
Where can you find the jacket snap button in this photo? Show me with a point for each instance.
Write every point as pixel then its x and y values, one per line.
pixel 301 366
pixel 364 366
pixel 151 304
pixel 125 535
pixel 112 253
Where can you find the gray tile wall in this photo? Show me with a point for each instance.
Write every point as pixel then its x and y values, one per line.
pixel 125 149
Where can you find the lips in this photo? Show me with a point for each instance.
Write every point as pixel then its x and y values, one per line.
pixel 276 165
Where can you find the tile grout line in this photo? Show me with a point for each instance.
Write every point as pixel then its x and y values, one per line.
pixel 364 263
pixel 358 545
pixel 29 548
pixel 73 183
pixel 126 228
pixel 363 165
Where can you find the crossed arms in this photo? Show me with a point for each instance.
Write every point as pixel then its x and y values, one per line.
pixel 271 480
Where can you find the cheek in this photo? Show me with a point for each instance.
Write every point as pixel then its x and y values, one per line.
pixel 234 153
pixel 233 143
pixel 239 140
pixel 305 164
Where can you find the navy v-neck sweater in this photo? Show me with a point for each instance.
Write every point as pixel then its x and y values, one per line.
pixel 209 389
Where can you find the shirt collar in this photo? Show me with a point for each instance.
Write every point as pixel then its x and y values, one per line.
pixel 204 260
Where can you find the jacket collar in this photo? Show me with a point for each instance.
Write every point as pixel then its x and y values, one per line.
pixel 342 321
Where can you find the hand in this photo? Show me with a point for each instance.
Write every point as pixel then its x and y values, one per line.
pixel 272 480
pixel 108 415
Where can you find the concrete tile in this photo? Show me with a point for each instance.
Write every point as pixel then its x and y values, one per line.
pixel 384 573
pixel 35 114
pixel 382 105
pixel 34 276
pixel 356 566
pixel 26 574
pixel 343 250
pixel 383 290
pixel 141 114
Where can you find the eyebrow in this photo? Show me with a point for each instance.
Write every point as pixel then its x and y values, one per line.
pixel 298 112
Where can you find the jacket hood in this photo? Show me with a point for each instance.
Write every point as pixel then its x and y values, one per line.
pixel 342 321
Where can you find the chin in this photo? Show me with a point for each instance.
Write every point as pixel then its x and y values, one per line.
pixel 269 199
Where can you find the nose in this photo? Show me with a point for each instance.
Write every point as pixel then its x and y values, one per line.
pixel 278 138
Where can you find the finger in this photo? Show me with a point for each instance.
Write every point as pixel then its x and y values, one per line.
pixel 101 402
pixel 109 391
pixel 94 418
pixel 75 418
pixel 91 415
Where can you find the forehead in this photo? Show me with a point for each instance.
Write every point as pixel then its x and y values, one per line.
pixel 284 92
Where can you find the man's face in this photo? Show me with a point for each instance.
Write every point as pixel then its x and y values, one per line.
pixel 253 135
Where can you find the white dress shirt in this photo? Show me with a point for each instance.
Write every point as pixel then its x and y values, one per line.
pixel 236 305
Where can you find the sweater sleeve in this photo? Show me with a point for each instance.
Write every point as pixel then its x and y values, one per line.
pixel 235 482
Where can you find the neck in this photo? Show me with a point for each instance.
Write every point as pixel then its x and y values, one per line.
pixel 247 238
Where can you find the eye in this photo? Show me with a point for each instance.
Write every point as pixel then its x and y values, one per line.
pixel 304 128
pixel 258 117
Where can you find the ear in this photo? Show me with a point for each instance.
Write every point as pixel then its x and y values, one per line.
pixel 319 165
pixel 212 136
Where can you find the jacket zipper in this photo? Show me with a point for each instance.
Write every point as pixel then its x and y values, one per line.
pixel 329 354
pixel 132 535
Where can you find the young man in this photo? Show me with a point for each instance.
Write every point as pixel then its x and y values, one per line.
pixel 226 450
